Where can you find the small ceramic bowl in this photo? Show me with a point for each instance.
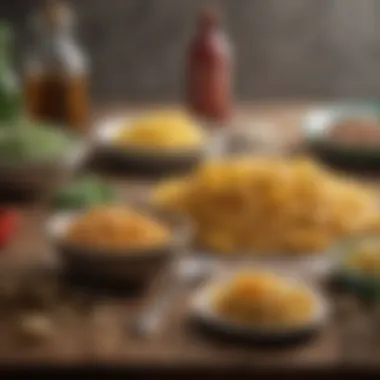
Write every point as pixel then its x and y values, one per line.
pixel 202 310
pixel 142 160
pixel 352 280
pixel 318 123
pixel 129 265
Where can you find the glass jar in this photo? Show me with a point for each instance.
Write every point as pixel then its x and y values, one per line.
pixel 56 78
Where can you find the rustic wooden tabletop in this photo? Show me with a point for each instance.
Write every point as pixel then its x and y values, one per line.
pixel 94 326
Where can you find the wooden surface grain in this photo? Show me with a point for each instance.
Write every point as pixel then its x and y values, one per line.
pixel 100 332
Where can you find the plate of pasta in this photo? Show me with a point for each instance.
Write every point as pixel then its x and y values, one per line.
pixel 260 304
pixel 270 207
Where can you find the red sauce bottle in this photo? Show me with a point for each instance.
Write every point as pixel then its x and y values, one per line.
pixel 209 70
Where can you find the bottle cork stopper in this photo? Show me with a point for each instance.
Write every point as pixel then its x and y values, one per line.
pixel 57 13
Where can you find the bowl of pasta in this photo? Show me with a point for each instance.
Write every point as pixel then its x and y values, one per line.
pixel 117 243
pixel 260 305
pixel 160 141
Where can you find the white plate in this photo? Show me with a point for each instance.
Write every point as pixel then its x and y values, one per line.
pixel 311 266
pixel 202 310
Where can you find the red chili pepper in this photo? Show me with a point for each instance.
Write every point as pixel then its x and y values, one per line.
pixel 9 224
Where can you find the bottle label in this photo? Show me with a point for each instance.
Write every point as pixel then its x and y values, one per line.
pixel 209 89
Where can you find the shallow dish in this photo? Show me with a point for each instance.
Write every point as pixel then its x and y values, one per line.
pixel 145 159
pixel 201 309
pixel 129 265
pixel 318 123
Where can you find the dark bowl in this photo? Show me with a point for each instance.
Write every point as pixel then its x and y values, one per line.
pixel 142 162
pixel 130 265
pixel 319 122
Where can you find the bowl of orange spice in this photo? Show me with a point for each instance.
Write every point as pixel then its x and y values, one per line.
pixel 116 242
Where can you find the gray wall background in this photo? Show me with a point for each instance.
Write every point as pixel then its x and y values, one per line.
pixel 284 48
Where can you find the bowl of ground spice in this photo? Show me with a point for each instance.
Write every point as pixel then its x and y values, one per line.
pixel 346 134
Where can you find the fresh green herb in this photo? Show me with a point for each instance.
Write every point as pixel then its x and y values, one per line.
pixel 86 192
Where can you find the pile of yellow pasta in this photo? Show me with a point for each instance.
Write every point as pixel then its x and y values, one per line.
pixel 270 205
pixel 265 299
pixel 162 130
pixel 116 228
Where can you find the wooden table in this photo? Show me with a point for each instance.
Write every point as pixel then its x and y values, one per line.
pixel 99 335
